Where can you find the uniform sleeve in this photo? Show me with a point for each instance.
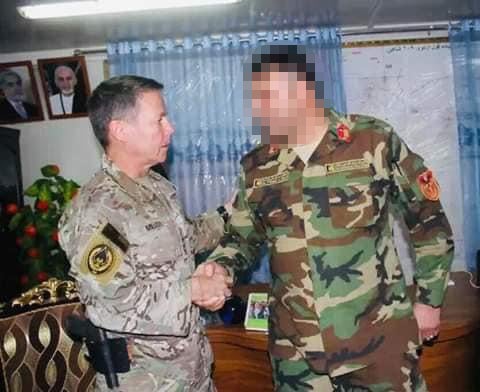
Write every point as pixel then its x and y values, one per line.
pixel 208 229
pixel 241 243
pixel 135 299
pixel 428 227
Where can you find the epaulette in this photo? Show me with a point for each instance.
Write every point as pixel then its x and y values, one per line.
pixel 256 156
pixel 361 121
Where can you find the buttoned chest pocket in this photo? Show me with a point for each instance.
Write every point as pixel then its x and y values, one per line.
pixel 356 203
pixel 273 206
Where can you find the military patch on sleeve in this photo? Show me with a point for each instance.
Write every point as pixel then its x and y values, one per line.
pixel 271 180
pixel 429 186
pixel 104 253
pixel 343 166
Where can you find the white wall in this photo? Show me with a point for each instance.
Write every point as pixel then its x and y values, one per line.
pixel 69 143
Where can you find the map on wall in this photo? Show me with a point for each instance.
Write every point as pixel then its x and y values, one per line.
pixel 411 87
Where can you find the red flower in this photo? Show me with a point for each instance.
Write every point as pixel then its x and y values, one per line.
pixel 18 241
pixel 42 276
pixel 11 209
pixel 33 253
pixel 42 205
pixel 54 236
pixel 55 170
pixel 30 230
pixel 24 280
pixel 343 133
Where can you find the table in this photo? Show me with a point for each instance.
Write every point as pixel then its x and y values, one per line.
pixel 451 364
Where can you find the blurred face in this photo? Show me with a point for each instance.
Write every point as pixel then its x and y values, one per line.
pixel 12 88
pixel 281 104
pixel 65 80
pixel 150 130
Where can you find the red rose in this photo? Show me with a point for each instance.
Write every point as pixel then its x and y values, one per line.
pixel 42 276
pixel 54 236
pixel 11 209
pixel 30 230
pixel 42 205
pixel 24 280
pixel 33 253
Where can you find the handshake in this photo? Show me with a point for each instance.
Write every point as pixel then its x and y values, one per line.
pixel 211 286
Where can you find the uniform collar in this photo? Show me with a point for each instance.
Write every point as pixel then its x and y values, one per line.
pixel 136 190
pixel 328 145
pixel 331 140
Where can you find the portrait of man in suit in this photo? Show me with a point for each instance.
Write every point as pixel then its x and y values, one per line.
pixel 18 96
pixel 66 86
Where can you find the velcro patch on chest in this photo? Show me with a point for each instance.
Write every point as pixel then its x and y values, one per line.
pixel 343 166
pixel 104 253
pixel 270 180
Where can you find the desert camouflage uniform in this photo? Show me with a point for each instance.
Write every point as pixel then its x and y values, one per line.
pixel 339 309
pixel 143 292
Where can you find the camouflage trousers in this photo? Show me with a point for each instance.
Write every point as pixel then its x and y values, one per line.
pixel 296 375
pixel 151 375
pixel 135 381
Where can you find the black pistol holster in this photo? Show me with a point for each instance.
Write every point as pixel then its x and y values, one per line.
pixel 106 355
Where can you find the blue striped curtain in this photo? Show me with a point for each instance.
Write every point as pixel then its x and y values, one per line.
pixel 465 47
pixel 203 79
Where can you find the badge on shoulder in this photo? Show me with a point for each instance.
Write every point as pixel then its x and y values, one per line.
pixel 104 253
pixel 429 186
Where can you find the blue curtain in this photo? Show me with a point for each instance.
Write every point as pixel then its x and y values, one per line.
pixel 203 80
pixel 465 47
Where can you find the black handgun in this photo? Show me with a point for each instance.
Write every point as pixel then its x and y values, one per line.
pixel 106 355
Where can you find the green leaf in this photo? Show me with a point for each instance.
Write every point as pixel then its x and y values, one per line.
pixel 45 193
pixel 61 181
pixel 15 221
pixel 69 190
pixel 44 228
pixel 32 190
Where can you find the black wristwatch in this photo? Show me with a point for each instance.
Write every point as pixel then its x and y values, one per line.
pixel 223 213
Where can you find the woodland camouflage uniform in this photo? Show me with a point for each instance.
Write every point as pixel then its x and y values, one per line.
pixel 339 310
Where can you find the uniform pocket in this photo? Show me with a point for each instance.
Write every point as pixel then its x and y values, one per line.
pixel 353 205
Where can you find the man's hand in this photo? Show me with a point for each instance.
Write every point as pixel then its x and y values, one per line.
pixel 211 268
pixel 428 320
pixel 210 286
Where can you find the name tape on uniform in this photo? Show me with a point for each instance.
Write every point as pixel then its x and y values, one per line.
pixel 343 166
pixel 270 180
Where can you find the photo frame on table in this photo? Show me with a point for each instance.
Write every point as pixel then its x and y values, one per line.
pixel 65 85
pixel 19 99
pixel 256 316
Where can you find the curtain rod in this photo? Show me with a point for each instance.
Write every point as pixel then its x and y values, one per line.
pixel 356 31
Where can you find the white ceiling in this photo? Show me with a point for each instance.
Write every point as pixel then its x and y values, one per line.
pixel 18 34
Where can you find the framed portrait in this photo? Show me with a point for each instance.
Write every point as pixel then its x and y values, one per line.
pixel 19 100
pixel 66 86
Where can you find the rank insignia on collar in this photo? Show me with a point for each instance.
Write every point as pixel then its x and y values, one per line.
pixel 343 133
pixel 429 186
pixel 273 150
